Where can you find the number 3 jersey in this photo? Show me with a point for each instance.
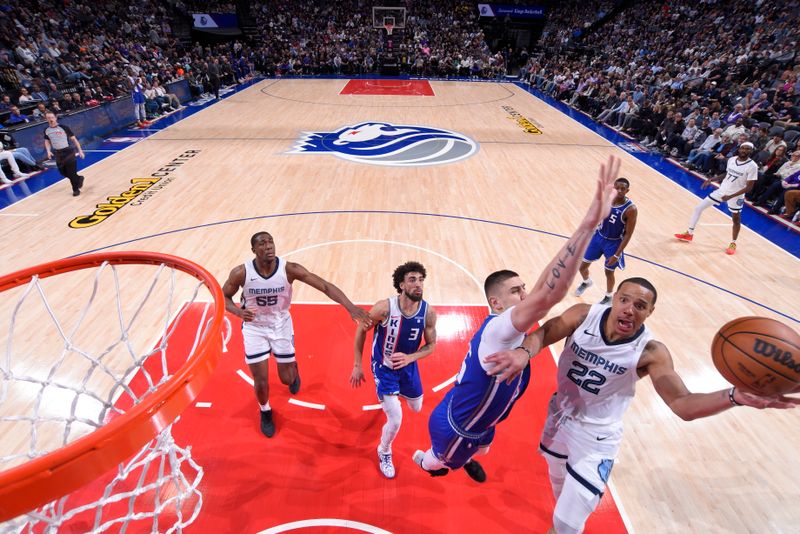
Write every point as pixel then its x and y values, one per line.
pixel 596 377
pixel 398 333
pixel 269 297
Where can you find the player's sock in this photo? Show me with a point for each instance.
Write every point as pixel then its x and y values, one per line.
pixel 265 407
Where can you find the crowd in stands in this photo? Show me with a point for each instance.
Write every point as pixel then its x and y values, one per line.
pixel 691 79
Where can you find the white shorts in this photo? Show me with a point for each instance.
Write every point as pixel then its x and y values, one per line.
pixel 259 341
pixel 735 204
pixel 589 450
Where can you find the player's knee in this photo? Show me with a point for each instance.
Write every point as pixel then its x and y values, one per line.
pixel 393 411
pixel 261 384
pixel 415 405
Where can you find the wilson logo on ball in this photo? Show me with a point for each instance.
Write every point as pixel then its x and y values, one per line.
pixel 382 143
pixel 783 357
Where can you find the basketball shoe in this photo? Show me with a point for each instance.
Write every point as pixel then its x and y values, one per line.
pixel 686 236
pixel 294 387
pixel 731 250
pixel 385 464
pixel 267 425
pixel 475 471
pixel 586 284
pixel 419 455
pixel 606 300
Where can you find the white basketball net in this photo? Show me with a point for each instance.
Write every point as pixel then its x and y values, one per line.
pixel 83 387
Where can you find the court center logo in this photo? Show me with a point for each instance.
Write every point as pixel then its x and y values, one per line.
pixel 382 143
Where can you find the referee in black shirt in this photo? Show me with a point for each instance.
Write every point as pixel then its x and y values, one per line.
pixel 56 140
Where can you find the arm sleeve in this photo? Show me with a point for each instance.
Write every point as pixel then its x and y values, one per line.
pixel 498 335
pixel 67 131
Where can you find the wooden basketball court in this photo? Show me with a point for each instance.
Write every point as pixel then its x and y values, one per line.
pixel 234 169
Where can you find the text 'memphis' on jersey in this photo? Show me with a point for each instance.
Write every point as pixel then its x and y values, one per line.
pixel 597 378
pixel 269 297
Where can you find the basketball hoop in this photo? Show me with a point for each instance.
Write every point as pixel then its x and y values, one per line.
pixel 389 27
pixel 117 407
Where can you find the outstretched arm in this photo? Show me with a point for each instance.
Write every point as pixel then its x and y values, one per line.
pixel 556 278
pixel 656 361
pixel 295 271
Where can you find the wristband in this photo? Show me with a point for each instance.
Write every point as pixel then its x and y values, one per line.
pixel 530 354
pixel 730 397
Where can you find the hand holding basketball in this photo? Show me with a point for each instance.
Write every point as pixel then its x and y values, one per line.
pixel 759 355
pixel 760 402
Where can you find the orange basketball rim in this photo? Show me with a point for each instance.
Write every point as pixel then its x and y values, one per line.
pixel 62 471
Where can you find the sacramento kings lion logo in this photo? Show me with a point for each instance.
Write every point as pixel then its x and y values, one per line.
pixel 381 143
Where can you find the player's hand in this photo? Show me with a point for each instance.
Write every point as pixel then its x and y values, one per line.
pixel 357 376
pixel 81 154
pixel 361 316
pixel 508 364
pixel 612 261
pixel 247 315
pixel 400 360
pixel 705 183
pixel 781 402
pixel 604 192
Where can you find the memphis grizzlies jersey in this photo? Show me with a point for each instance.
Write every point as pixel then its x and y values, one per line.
pixel 478 400
pixel 269 297
pixel 597 378
pixel 398 333
pixel 738 173
pixel 613 226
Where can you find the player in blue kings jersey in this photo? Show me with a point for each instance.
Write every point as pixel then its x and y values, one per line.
pixel 462 424
pixel 266 283
pixel 401 321
pixel 610 240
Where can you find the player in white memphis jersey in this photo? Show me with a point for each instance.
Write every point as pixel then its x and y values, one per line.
pixel 741 176
pixel 607 349
pixel 401 321
pixel 266 283
pixel 464 422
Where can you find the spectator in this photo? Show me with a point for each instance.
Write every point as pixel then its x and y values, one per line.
pixel 16 117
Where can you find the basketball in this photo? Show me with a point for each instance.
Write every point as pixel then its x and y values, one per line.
pixel 758 354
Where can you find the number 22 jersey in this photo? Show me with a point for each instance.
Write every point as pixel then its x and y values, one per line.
pixel 596 377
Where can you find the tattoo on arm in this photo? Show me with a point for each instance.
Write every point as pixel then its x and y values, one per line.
pixel 569 251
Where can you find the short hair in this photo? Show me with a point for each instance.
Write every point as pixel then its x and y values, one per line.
pixel 400 273
pixel 643 282
pixel 624 181
pixel 255 238
pixel 496 278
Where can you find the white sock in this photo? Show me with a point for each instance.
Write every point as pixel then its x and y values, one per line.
pixel 265 407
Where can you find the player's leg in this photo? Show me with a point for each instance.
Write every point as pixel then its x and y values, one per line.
pixel 472 467
pixel 610 251
pixel 582 491
pixel 257 350
pixel 387 385
pixel 735 207
pixel 698 210
pixel 411 386
pixel 593 251
pixel 441 435
pixel 283 349
pixel 553 449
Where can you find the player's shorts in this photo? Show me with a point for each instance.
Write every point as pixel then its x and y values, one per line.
pixel 601 246
pixel 259 341
pixel 735 204
pixel 405 381
pixel 589 449
pixel 454 447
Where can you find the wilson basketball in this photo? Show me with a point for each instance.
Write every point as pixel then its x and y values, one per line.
pixel 758 354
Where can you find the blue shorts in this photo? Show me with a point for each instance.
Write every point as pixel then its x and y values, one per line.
pixel 600 246
pixel 405 381
pixel 452 448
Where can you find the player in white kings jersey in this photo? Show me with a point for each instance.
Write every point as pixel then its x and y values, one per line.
pixel 266 283
pixel 607 349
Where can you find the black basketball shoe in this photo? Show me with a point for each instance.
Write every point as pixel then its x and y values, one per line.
pixel 267 426
pixel 475 471
pixel 294 387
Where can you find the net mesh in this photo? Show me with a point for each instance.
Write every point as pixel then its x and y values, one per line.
pixel 110 353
